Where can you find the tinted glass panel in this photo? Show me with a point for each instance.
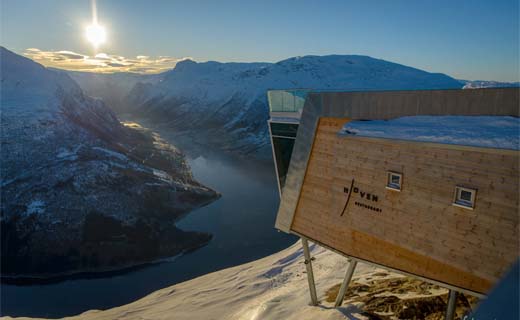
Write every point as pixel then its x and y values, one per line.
pixel 282 149
pixel 286 100
pixel 284 129
pixel 465 195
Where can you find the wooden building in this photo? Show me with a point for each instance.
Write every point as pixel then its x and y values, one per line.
pixel 448 214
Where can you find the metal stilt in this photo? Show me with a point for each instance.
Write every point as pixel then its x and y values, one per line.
pixel 344 285
pixel 310 274
pixel 452 303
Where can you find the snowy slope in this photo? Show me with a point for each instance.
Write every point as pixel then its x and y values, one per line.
pixel 226 103
pixel 69 166
pixel 501 132
pixel 476 84
pixel 276 288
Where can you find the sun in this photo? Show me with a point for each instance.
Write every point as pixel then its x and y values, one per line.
pixel 96 34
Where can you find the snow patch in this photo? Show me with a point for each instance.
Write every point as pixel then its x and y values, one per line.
pixel 68 154
pixel 500 132
pixel 162 175
pixel 35 207
pixel 118 155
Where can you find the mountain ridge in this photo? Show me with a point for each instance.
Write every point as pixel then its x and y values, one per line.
pixel 227 102
pixel 80 191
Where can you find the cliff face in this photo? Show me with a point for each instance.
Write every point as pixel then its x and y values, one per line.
pixel 80 191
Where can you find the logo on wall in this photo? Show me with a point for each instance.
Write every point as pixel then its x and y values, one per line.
pixel 366 196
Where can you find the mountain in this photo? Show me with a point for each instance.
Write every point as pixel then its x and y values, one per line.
pixel 475 84
pixel 225 105
pixel 111 87
pixel 80 191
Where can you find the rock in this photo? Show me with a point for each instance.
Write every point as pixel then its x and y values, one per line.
pixel 80 191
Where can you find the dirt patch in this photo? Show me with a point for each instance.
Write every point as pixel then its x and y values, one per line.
pixel 383 297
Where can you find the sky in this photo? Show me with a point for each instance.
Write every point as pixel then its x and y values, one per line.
pixel 465 39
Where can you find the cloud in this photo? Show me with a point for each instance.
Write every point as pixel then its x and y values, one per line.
pixel 113 64
pixel 70 55
pixel 101 62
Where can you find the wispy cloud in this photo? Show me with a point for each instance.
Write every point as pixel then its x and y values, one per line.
pixel 101 62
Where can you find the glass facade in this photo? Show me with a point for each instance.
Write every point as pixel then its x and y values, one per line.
pixel 287 100
pixel 283 127
pixel 283 144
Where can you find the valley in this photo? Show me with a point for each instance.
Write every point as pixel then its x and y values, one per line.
pixel 240 222
pixel 123 184
pixel 81 192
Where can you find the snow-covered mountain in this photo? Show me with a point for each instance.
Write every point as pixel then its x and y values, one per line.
pixel 475 84
pixel 225 104
pixel 80 191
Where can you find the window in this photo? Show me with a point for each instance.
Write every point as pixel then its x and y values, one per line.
pixel 282 148
pixel 287 130
pixel 464 197
pixel 395 180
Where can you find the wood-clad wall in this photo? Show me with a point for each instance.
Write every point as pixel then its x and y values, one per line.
pixel 417 230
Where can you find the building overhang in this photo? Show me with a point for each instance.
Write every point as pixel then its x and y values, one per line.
pixel 378 105
pixel 346 106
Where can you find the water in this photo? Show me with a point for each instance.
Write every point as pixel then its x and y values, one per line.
pixel 241 223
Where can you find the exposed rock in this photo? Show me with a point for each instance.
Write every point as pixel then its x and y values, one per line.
pixel 80 191
pixel 388 297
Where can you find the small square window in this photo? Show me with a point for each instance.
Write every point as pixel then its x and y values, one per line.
pixel 395 180
pixel 464 197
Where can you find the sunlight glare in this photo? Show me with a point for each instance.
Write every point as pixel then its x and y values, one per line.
pixel 96 34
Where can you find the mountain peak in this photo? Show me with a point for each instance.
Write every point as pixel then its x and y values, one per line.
pixel 22 76
pixel 12 62
pixel 183 64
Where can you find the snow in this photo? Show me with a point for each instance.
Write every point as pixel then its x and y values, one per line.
pixel 114 154
pixel 35 207
pixel 274 287
pixel 476 84
pixel 502 132
pixel 161 175
pixel 68 154
pixel 231 97
pixel 61 154
pixel 212 82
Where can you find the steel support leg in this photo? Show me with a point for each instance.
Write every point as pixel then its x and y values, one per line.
pixel 452 303
pixel 344 285
pixel 310 274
